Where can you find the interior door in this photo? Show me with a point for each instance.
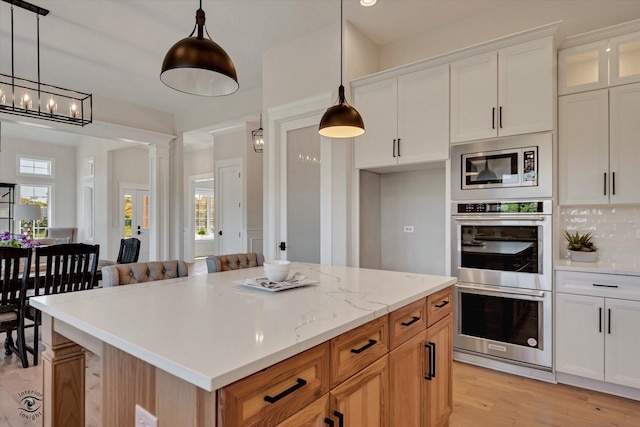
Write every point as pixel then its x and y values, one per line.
pixel 135 208
pixel 229 207
pixel 301 196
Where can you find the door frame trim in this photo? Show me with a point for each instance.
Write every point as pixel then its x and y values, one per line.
pixel 280 120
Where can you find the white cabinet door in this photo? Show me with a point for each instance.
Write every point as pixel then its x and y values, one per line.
pixel 423 115
pixel 525 87
pixel 377 103
pixel 580 335
pixel 474 96
pixel 583 68
pixel 622 342
pixel 583 148
pixel 625 143
pixel 625 59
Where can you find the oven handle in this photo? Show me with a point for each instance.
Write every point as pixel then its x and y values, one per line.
pixel 538 294
pixel 500 218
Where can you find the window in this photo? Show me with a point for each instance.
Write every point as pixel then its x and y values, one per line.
pixel 36 195
pixel 128 215
pixel 204 224
pixel 31 166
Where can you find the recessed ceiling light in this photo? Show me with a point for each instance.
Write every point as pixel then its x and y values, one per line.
pixel 368 3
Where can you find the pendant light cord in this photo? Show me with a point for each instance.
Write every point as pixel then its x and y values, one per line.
pixel 341 44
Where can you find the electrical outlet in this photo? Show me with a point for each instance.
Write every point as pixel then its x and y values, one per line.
pixel 408 228
pixel 144 418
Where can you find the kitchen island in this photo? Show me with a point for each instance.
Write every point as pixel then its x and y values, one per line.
pixel 173 346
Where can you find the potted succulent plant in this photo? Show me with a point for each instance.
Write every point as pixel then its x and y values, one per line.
pixel 581 248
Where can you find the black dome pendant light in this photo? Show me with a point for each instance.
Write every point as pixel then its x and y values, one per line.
pixel 342 120
pixel 198 65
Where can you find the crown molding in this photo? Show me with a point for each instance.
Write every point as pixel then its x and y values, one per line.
pixel 601 34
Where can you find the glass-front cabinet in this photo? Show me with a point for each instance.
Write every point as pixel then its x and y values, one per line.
pixel 596 65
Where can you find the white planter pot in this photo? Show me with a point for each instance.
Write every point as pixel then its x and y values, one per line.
pixel 580 256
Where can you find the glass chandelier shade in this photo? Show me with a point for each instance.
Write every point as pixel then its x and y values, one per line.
pixel 199 66
pixel 257 136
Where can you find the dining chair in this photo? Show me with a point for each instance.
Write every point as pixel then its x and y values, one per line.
pixel 127 274
pixel 68 267
pixel 13 289
pixel 129 251
pixel 220 263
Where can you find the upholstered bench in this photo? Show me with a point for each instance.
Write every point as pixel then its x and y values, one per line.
pixel 219 263
pixel 126 274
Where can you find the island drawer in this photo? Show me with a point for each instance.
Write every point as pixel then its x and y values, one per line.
pixel 439 305
pixel 406 322
pixel 274 394
pixel 353 350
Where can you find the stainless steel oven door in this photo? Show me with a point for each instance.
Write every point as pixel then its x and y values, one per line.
pixel 503 250
pixel 505 323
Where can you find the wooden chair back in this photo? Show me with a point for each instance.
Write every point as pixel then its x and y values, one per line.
pixel 15 264
pixel 66 268
pixel 129 251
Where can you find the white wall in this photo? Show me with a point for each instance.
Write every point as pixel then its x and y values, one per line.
pixel 63 194
pixel 370 243
pixel 415 199
pixel 253 172
pixel 578 17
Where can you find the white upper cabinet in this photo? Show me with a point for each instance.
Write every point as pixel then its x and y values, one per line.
pixel 599 144
pixel 625 59
pixel 599 64
pixel 406 119
pixel 583 148
pixel 502 93
pixel 583 68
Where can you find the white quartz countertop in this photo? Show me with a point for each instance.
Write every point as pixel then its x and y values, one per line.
pixel 622 268
pixel 211 332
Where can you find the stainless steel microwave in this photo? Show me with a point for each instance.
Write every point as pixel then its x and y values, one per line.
pixel 510 168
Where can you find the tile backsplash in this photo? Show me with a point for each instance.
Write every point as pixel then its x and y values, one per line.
pixel 615 230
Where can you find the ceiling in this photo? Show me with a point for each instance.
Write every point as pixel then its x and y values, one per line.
pixel 115 48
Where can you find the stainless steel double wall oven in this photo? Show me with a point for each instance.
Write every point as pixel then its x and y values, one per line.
pixel 501 249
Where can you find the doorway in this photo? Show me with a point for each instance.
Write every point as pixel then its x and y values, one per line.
pixel 134 214
pixel 229 197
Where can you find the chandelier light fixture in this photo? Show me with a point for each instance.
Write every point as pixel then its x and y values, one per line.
pixel 29 98
pixel 341 120
pixel 257 136
pixel 199 66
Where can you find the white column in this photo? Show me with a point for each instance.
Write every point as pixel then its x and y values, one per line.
pixel 178 192
pixel 159 223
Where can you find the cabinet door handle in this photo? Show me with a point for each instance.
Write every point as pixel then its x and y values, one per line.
pixel 493 118
pixel 394 148
pixel 433 360
pixel 399 139
pixel 605 183
pixel 443 304
pixel 273 399
pixel 500 119
pixel 340 418
pixel 364 347
pixel 411 322
pixel 427 375
pixel 329 422
pixel 600 319
pixel 613 183
pixel 609 325
pixel 604 286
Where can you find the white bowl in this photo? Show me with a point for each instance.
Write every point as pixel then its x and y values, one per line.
pixel 276 270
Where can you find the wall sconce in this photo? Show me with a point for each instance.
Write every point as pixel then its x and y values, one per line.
pixel 257 137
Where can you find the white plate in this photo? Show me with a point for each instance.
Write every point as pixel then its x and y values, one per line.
pixel 263 283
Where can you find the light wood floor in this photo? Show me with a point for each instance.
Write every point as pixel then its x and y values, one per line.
pixel 482 398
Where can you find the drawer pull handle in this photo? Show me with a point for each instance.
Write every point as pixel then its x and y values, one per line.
pixel 411 322
pixel 340 418
pixel 299 383
pixel 443 304
pixel 433 360
pixel 604 286
pixel 329 422
pixel 364 347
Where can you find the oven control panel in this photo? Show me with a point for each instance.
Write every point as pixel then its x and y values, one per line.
pixel 501 207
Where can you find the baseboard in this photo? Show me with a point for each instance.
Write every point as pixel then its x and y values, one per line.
pixel 600 386
pixel 510 368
